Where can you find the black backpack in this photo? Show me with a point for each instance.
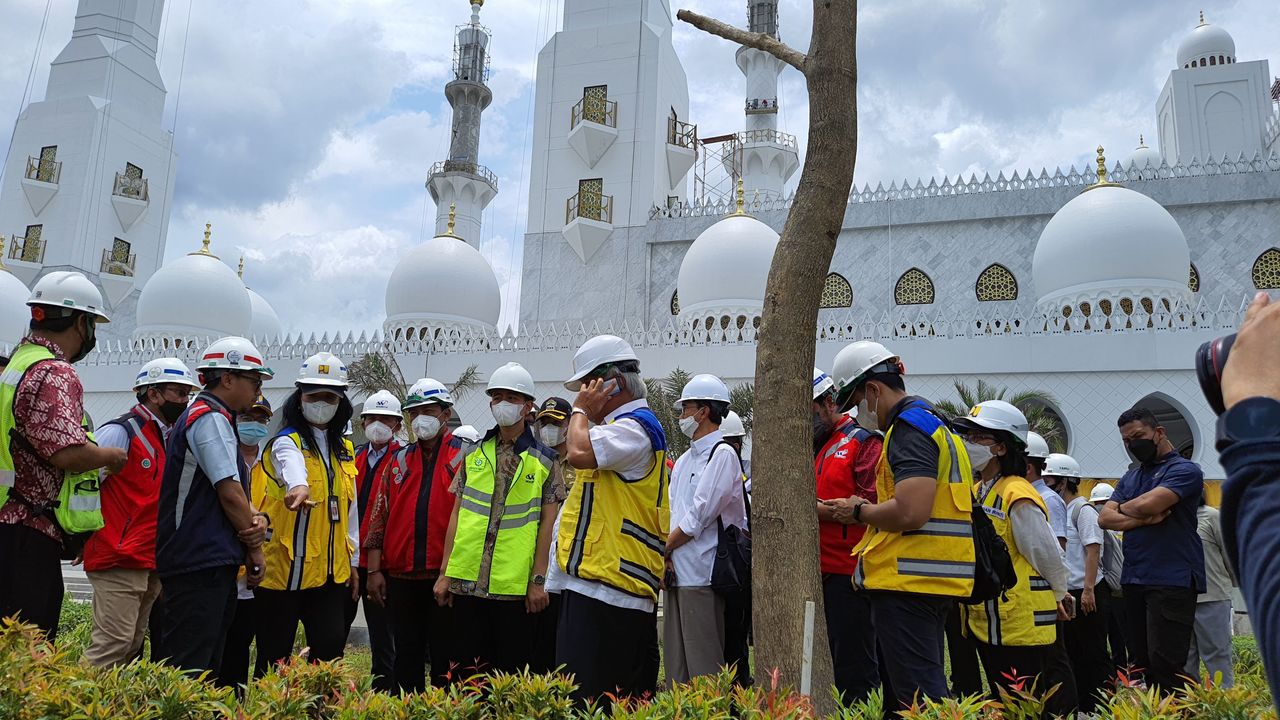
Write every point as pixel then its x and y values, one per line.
pixel 993 573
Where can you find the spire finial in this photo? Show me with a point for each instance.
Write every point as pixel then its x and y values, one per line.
pixel 240 270
pixel 1102 166
pixel 742 198
pixel 204 245
pixel 1142 141
pixel 453 214
pixel 1202 17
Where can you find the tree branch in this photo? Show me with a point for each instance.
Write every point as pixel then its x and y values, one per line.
pixel 745 38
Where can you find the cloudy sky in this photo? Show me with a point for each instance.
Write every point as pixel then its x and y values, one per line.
pixel 305 128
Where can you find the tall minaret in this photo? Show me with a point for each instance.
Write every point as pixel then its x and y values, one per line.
pixel 89 175
pixel 768 157
pixel 461 182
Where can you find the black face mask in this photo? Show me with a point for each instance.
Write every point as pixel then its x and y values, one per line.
pixel 89 342
pixel 171 411
pixel 1144 449
pixel 821 429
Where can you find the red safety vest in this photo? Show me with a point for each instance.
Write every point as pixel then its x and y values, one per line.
pixel 417 519
pixel 130 500
pixel 367 485
pixel 834 468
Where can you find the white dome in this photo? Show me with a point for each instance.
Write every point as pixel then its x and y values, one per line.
pixel 1144 156
pixel 265 324
pixel 725 270
pixel 442 283
pixel 15 316
pixel 1110 243
pixel 1206 41
pixel 196 296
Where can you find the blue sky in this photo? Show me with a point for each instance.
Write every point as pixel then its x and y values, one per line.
pixel 305 129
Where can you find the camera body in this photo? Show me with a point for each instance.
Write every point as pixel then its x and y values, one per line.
pixel 1211 358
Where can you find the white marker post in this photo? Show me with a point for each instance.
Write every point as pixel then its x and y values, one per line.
pixel 806 663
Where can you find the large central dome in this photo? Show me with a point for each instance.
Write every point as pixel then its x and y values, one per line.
pixel 194 298
pixel 723 274
pixel 442 284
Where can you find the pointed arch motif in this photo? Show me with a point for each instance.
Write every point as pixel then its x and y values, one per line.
pixel 997 282
pixel 675 302
pixel 836 292
pixel 1266 270
pixel 1193 282
pixel 914 288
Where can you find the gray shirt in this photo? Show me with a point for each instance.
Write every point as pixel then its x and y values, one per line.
pixel 1219 580
pixel 1057 509
pixel 213 442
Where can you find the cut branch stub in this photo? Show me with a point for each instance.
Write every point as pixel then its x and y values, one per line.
pixel 746 38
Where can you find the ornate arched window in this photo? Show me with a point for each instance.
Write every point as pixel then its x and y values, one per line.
pixel 913 288
pixel 1194 281
pixel 1266 270
pixel 836 292
pixel 675 302
pixel 996 283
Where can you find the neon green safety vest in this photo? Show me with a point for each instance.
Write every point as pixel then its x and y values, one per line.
pixel 79 506
pixel 518 528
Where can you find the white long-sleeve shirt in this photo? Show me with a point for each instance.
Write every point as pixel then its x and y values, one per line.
pixel 1036 542
pixel 705 485
pixel 292 467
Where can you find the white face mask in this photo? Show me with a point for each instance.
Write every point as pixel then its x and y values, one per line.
pixel 425 427
pixel 979 455
pixel 866 414
pixel 319 413
pixel 551 435
pixel 378 433
pixel 507 413
pixel 688 426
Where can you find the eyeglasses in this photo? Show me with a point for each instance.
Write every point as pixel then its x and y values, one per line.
pixel 254 378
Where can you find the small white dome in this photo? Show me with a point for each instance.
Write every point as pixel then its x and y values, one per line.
pixel 15 316
pixel 724 272
pixel 1144 156
pixel 1206 41
pixel 442 283
pixel 194 297
pixel 1110 243
pixel 265 324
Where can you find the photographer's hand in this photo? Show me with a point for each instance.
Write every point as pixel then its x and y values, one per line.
pixel 1253 368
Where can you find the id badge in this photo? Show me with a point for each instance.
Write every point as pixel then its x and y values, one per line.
pixel 333 509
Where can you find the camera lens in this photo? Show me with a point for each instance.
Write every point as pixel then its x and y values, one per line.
pixel 1211 358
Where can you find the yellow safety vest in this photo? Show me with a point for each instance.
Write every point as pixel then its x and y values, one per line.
pixel 614 531
pixel 517 538
pixel 309 546
pixel 936 559
pixel 1027 614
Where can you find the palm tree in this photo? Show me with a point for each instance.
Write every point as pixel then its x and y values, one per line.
pixel 662 396
pixel 379 370
pixel 1035 404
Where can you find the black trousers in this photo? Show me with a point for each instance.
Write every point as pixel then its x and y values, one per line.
pixel 851 636
pixel 542 658
pixel 234 670
pixel 966 668
pixel 322 612
pixel 1161 623
pixel 382 648
pixel 608 649
pixel 198 610
pixel 492 635
pixel 155 627
pixel 30 577
pixel 737 636
pixel 422 631
pixel 1117 632
pixel 1006 665
pixel 1085 636
pixel 912 627
pixel 1058 671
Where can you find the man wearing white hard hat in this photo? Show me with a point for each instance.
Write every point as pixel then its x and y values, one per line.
pixel 406 537
pixel 46 445
pixel 1037 453
pixel 737 608
pixel 306 482
pixel 706 494
pixel 499 536
pixel 608 571
pixel 206 527
pixel 1112 569
pixel 380 419
pixel 120 559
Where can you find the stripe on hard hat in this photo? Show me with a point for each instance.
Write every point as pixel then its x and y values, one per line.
pixel 820 378
pixel 220 356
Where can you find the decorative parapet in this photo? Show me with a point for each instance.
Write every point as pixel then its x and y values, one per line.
pixel 1080 178
pixel 1271 133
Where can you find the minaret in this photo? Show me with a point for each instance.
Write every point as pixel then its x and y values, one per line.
pixel 461 180
pixel 88 177
pixel 767 157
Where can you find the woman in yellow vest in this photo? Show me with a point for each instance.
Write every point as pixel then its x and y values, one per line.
pixel 1015 632
pixel 499 537
pixel 306 484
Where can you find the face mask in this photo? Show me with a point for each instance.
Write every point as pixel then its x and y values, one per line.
pixel 90 340
pixel 171 411
pixel 551 435
pixel 507 413
pixel 378 433
pixel 979 455
pixel 319 413
pixel 688 426
pixel 425 427
pixel 1144 449
pixel 821 428
pixel 251 433
pixel 866 414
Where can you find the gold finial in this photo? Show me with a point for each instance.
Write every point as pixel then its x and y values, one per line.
pixel 453 215
pixel 1142 142
pixel 1102 172
pixel 742 198
pixel 204 246
pixel 240 270
pixel 1202 17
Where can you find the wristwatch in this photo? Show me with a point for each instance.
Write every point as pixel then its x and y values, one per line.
pixel 539 580
pixel 579 411
pixel 1255 418
pixel 857 512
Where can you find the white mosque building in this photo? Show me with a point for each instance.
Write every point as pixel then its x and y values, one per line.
pixel 1095 284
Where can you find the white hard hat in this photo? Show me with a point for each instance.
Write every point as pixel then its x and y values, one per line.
pixel 381 403
pixel 855 361
pixel 323 368
pixel 995 415
pixel 69 290
pixel 165 370
pixel 1061 465
pixel 822 383
pixel 703 387
pixel 732 426
pixel 1036 446
pixel 599 350
pixel 428 390
pixel 468 433
pixel 233 353
pixel 1101 492
pixel 512 376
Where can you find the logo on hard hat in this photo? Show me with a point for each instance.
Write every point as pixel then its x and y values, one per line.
pixel 323 369
pixel 154 372
pixel 234 357
pixel 975 412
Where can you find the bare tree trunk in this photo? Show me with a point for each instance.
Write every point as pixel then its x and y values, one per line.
pixel 784 522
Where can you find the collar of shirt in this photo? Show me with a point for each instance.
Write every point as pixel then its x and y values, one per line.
pixel 164 427
pixel 624 409
pixel 704 445
pixel 49 345
pixel 1040 485
pixel 375 454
